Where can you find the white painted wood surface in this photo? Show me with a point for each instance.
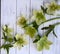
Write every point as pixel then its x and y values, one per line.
pixel 10 11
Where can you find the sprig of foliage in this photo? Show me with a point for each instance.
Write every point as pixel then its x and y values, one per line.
pixel 10 40
pixel 7 47
pixel 7 37
pixel 50 28
pixel 31 29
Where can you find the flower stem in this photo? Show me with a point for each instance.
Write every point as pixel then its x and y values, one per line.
pixel 7 51
pixel 50 20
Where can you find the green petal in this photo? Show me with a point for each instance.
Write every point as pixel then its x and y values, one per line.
pixel 31 31
pixel 43 43
pixel 10 30
pixel 46 46
pixel 39 45
pixel 49 42
pixel 18 36
pixel 39 17
pixel 21 21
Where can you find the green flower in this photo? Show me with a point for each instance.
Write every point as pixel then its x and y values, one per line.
pixel 52 7
pixel 31 31
pixel 21 21
pixel 7 34
pixel 20 41
pixel 43 43
pixel 39 16
pixel 7 30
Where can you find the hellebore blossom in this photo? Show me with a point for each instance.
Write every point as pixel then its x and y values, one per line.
pixel 20 41
pixel 39 16
pixel 21 21
pixel 43 43
pixel 7 31
pixel 31 31
pixel 52 7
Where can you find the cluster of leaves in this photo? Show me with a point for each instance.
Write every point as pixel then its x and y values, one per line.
pixel 10 40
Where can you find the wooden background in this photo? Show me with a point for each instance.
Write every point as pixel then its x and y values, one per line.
pixel 10 11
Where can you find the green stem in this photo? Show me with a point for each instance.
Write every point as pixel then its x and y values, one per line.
pixel 7 51
pixel 57 24
pixel 50 20
pixel 42 22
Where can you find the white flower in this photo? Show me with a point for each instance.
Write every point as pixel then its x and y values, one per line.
pixel 21 41
pixel 52 7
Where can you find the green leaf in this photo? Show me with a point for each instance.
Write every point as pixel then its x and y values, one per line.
pixel 6 46
pixel 7 39
pixel 37 38
pixel 48 32
pixel 35 25
pixel 45 28
pixel 50 28
pixel 44 9
pixel 54 34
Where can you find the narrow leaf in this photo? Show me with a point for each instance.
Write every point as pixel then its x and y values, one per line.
pixel 54 34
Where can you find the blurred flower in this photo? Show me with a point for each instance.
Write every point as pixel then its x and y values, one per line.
pixel 7 30
pixel 21 21
pixel 43 43
pixel 39 16
pixel 21 41
pixel 52 7
pixel 31 31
